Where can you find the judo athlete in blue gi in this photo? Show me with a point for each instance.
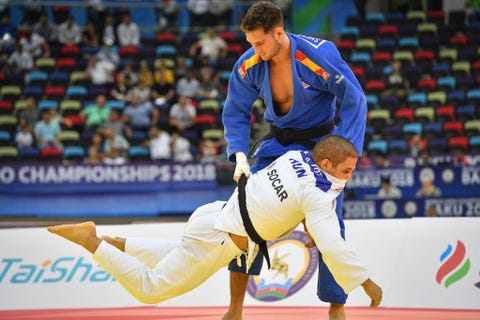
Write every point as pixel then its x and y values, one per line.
pixel 301 80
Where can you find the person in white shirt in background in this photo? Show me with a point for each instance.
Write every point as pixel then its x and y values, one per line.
pixel 388 190
pixel 159 144
pixel 298 187
pixel 182 114
pixel 180 148
pixel 69 32
pixel 128 32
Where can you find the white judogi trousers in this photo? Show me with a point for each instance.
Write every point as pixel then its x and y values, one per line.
pixel 154 270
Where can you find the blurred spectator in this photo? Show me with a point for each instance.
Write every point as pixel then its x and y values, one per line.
pixel 416 144
pixel 140 115
pixel 89 36
pixel 396 82
pixel 211 46
pixel 210 87
pixel 107 53
pixel 432 211
pixel 188 85
pixel 46 28
pixel 381 161
pixel 142 91
pixel 424 158
pixel 115 147
pixel 167 12
pixel 181 67
pixel 163 92
pixel 24 137
pixel 164 72
pixel 100 72
pixel 116 123
pixel 145 74
pixel 221 12
pixel 47 132
pixel 428 189
pixel 20 60
pixel 96 114
pixel 387 190
pixel 121 90
pixel 57 117
pixel 181 148
pixel 199 13
pixel 460 158
pixel 131 77
pixel 35 44
pixel 128 32
pixel 159 144
pixel 69 32
pixel 108 33
pixel 95 149
pixel 7 34
pixel 182 114
pixel 30 115
pixel 208 150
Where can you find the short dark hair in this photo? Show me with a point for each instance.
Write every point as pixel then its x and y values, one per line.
pixel 334 148
pixel 262 15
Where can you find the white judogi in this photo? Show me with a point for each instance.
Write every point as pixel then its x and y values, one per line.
pixel 279 197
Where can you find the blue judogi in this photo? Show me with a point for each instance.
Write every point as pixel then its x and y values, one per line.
pixel 321 79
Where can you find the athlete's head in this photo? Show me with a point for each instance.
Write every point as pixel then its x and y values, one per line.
pixel 336 156
pixel 263 28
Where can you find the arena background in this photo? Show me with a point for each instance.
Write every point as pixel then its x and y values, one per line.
pixel 424 263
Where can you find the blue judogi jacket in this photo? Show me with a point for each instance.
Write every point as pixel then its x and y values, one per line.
pixel 320 77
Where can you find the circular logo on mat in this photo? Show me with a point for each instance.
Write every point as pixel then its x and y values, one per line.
pixel 292 266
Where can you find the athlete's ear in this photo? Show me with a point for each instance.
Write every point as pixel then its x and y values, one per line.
pixel 325 164
pixel 278 31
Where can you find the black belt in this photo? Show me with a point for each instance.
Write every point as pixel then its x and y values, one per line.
pixel 252 233
pixel 302 137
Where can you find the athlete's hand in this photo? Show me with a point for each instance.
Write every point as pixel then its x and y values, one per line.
pixel 242 167
pixel 374 292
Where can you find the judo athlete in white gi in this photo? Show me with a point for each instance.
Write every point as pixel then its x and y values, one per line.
pixel 305 85
pixel 300 186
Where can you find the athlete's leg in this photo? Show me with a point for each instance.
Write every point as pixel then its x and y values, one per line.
pixel 238 285
pixel 148 250
pixel 238 275
pixel 202 251
pixel 328 289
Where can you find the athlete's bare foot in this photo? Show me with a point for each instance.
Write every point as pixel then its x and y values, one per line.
pixel 116 242
pixel 83 234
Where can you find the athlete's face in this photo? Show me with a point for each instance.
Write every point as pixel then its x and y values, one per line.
pixel 343 170
pixel 265 44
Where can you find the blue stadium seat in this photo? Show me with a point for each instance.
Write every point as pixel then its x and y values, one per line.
pixel 116 104
pixel 411 129
pixel 47 104
pixel 417 99
pixel 37 78
pixel 74 153
pixel 432 130
pixel 29 154
pixel 5 138
pixel 138 153
pixel 378 146
pixel 398 147
pixel 446 83
pixel 465 113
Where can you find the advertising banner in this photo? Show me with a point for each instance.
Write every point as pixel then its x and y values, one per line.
pixel 419 262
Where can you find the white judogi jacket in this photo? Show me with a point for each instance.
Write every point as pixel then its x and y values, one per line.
pixel 280 196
